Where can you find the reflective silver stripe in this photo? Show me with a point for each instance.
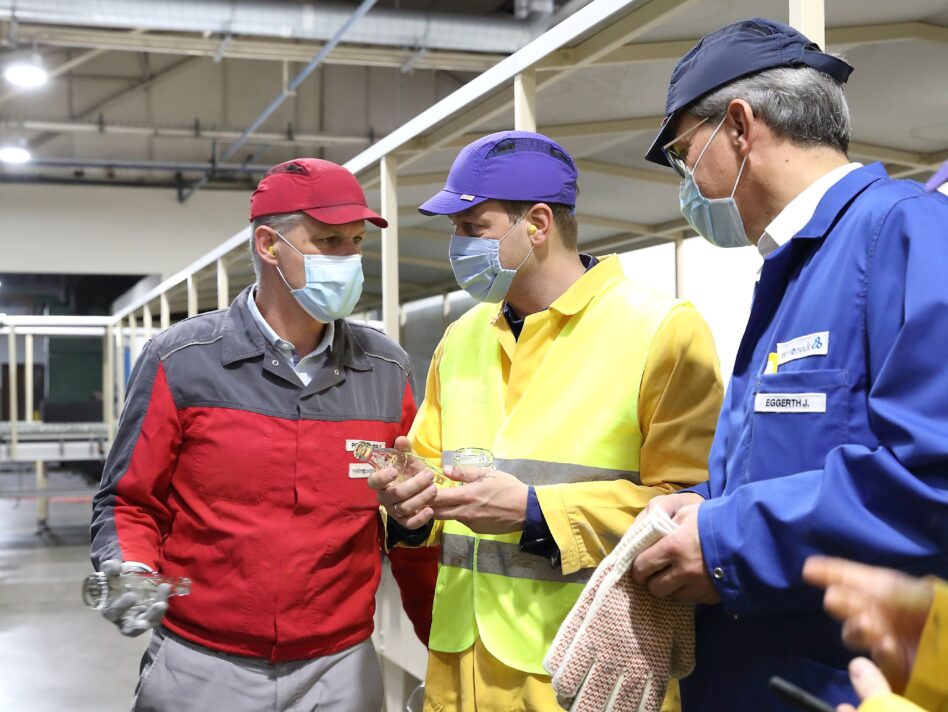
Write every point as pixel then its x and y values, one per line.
pixel 457 550
pixel 506 559
pixel 503 558
pixel 538 472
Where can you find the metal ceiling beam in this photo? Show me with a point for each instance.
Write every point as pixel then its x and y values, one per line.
pixel 489 95
pixel 288 90
pixel 558 132
pixel 885 154
pixel 889 32
pixel 264 50
pixel 562 132
pixel 179 132
pixel 144 165
pixel 665 177
pixel 284 20
pixel 615 224
pixel 117 98
pixel 671 50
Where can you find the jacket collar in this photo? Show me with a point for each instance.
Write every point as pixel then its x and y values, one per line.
pixel 593 282
pixel 838 198
pixel 579 294
pixel 243 340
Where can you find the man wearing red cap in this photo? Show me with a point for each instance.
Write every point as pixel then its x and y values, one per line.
pixel 233 466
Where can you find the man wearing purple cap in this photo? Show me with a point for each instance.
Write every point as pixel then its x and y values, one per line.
pixel 233 466
pixel 833 438
pixel 594 394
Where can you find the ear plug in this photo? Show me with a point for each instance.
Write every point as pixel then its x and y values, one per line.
pixel 532 229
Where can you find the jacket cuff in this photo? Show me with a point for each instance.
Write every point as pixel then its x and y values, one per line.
pixel 537 537
pixel 561 528
pixel 396 534
pixel 723 574
pixel 702 488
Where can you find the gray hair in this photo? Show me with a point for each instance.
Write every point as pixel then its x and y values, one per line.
pixel 281 223
pixel 801 104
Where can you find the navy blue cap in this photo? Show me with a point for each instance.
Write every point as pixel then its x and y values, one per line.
pixel 508 165
pixel 735 51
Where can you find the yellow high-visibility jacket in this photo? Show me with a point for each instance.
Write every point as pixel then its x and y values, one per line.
pixel 608 398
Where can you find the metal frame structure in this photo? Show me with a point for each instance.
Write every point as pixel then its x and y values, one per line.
pixel 602 33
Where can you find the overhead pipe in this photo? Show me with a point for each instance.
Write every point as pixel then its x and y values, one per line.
pixel 173 166
pixel 180 132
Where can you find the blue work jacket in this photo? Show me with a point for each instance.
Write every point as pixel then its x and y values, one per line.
pixel 842 451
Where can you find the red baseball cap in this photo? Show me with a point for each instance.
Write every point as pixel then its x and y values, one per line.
pixel 322 189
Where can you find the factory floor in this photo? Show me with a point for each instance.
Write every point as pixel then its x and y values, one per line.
pixel 55 654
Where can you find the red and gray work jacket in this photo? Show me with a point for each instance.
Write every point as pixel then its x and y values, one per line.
pixel 227 470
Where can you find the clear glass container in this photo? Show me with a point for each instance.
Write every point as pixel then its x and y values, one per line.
pixel 99 590
pixel 409 464
pixel 473 462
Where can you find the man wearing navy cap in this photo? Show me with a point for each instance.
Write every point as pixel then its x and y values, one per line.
pixel 594 394
pixel 833 438
pixel 233 466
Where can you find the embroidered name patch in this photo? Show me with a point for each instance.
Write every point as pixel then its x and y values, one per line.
pixel 810 345
pixel 360 470
pixel 790 403
pixel 351 444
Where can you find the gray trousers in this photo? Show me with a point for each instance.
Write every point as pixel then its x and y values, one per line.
pixel 179 676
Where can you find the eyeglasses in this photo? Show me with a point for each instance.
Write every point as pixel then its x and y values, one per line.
pixel 675 159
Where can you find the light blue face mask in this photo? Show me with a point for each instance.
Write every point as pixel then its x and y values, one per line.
pixel 333 284
pixel 717 220
pixel 477 267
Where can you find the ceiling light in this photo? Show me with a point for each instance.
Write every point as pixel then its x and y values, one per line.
pixel 26 73
pixel 14 154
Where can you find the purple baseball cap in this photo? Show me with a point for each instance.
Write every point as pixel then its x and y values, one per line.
pixel 508 165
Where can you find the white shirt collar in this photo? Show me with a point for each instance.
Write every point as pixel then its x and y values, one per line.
pixel 281 344
pixel 798 211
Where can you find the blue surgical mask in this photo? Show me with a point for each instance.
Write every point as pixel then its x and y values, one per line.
pixel 333 284
pixel 477 267
pixel 717 220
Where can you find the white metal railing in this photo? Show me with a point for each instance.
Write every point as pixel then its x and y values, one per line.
pixel 591 34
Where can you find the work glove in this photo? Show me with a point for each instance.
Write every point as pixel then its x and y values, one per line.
pixel 619 644
pixel 138 609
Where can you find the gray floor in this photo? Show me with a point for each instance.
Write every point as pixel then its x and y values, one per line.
pixel 55 654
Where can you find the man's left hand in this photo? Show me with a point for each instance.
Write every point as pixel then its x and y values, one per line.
pixel 674 566
pixel 492 503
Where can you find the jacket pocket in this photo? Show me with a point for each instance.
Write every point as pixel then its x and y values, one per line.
pixel 228 455
pixel 799 417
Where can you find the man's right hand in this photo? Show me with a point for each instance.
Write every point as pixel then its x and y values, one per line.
pixel 883 611
pixel 406 502
pixel 131 613
pixel 671 503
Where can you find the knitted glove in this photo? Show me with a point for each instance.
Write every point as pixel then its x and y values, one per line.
pixel 619 644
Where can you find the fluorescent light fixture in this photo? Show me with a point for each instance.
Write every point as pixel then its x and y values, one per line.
pixel 26 73
pixel 14 155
